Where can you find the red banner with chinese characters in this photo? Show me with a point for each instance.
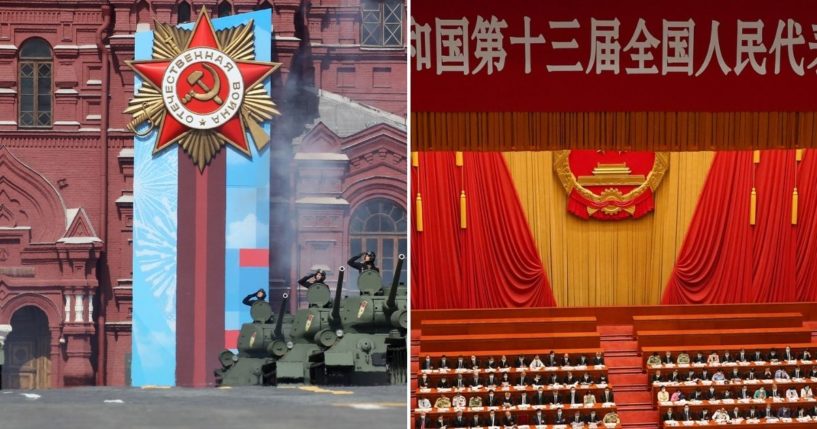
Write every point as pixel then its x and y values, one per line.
pixel 610 184
pixel 627 55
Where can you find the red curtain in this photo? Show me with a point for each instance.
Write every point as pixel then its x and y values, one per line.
pixel 493 263
pixel 724 259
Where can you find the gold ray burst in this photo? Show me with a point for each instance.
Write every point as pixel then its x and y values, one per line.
pixel 238 42
pixel 201 145
pixel 146 106
pixel 168 41
pixel 257 108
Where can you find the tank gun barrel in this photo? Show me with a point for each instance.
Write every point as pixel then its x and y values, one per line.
pixel 279 322
pixel 338 292
pixel 391 302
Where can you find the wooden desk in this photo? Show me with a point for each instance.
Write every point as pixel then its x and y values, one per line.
pixel 547 410
pixel 759 405
pixel 688 389
pixel 434 393
pixel 718 321
pixel 467 344
pixel 508 326
pixel 749 347
pixel 761 424
pixel 744 368
pixel 511 354
pixel 719 337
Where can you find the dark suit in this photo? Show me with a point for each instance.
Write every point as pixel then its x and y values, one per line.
pixel 552 360
pixel 520 362
pixel 475 421
pixel 459 422
pixel 429 365
pixel 538 420
pixel 687 416
pixel 460 383
pixel 505 364
pixel 476 382
pixel 559 419
pixel 491 401
pixel 697 395
pixel 576 419
pixel 712 394
pixel 668 416
pixel 735 415
pixel 566 361
pixel 767 412
pixel 491 380
pixel 742 357
pixel 492 421
pixel 752 414
pixel 555 398
pixel 784 412
pixel 508 401
pixel 574 398
pixel 598 360
pixel 461 364
pixel 757 356
pixel 539 398
pixel 443 384
pixel 524 400
pixel 607 397
pixel 508 421
pixel 789 355
pixel 727 358
pixel 424 383
pixel 773 356
pixel 441 423
pixel 421 420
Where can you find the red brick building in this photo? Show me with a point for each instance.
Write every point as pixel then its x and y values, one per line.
pixel 66 164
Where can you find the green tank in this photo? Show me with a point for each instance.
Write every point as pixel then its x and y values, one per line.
pixel 313 330
pixel 370 346
pixel 260 343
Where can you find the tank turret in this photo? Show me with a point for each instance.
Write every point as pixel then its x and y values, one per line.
pixel 372 347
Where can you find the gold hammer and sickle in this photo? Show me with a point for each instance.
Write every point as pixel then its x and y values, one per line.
pixel 211 94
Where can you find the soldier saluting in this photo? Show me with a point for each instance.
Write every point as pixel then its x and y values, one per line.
pixel 367 264
pixel 319 276
pixel 259 295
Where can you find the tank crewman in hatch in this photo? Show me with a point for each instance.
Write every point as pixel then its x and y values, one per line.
pixel 367 264
pixel 259 295
pixel 319 276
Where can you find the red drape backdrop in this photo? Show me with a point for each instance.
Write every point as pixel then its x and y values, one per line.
pixel 493 263
pixel 724 259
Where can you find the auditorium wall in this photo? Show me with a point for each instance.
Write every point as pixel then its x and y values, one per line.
pixel 597 263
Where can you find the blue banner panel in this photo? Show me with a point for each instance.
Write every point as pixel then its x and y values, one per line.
pixel 155 232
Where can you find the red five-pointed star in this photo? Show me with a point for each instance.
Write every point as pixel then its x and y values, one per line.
pixel 173 128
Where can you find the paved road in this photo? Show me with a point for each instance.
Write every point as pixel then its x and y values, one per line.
pixel 245 408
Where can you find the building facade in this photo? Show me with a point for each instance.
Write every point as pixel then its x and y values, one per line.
pixel 66 164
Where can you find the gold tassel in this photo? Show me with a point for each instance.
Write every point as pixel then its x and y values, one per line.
pixel 463 220
pixel 753 207
pixel 458 157
pixel 415 159
pixel 798 155
pixel 794 207
pixel 756 157
pixel 419 212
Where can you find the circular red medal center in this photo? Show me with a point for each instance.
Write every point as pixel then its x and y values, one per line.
pixel 202 86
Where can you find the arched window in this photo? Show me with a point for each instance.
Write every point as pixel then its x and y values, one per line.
pixel 224 9
pixel 379 224
pixel 263 5
pixel 381 23
pixel 35 72
pixel 183 12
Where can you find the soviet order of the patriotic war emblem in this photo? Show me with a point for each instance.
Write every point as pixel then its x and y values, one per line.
pixel 611 184
pixel 203 89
